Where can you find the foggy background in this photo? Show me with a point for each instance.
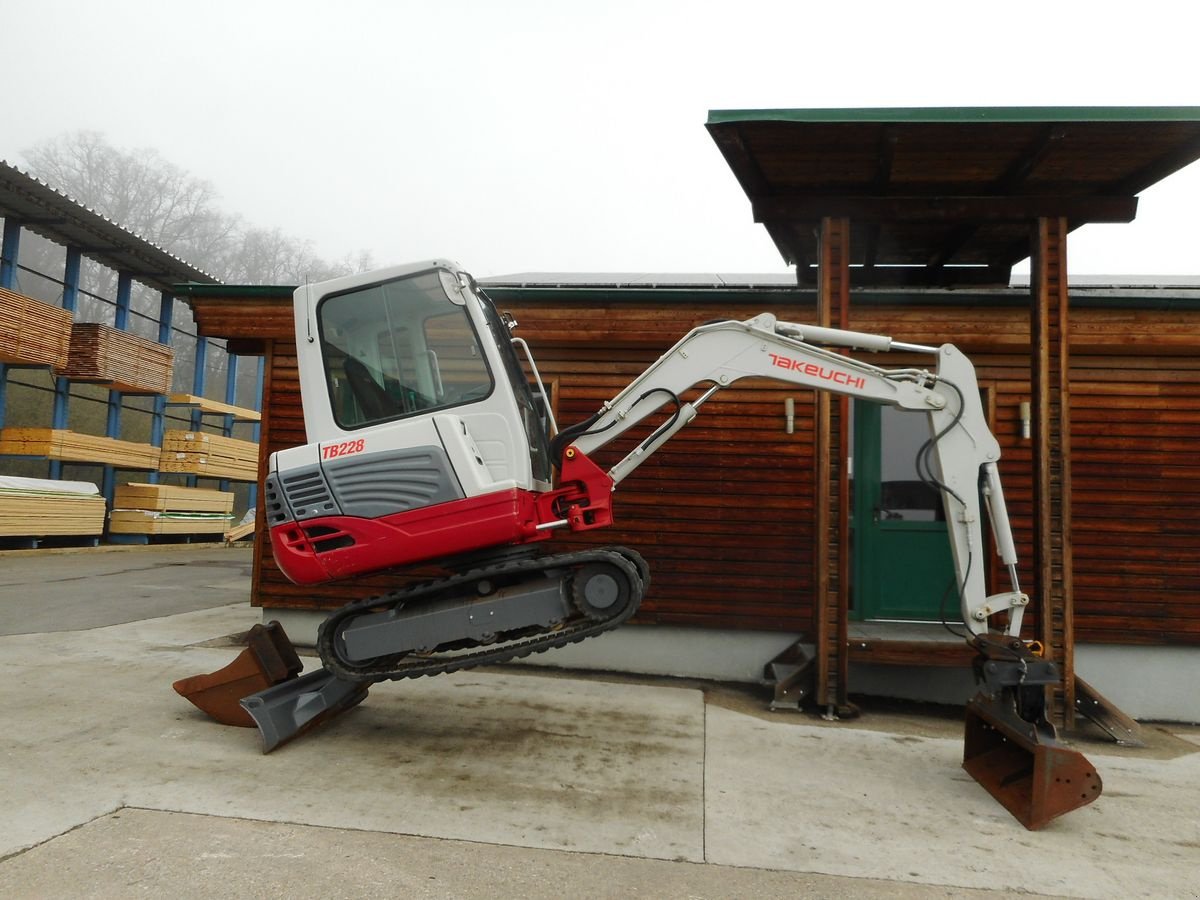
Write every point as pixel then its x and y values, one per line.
pixel 552 136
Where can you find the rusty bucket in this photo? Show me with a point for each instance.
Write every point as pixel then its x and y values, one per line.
pixel 269 659
pixel 1032 776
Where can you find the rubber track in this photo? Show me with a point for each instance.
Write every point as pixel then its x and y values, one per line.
pixel 627 560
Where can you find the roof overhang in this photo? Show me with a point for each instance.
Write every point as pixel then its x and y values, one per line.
pixel 56 217
pixel 945 196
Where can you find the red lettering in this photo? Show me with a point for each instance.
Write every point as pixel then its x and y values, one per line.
pixel 812 370
pixel 345 448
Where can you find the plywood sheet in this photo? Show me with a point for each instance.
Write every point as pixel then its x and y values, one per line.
pixel 171 498
pixel 42 514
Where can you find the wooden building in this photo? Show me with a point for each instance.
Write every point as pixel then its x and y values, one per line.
pixel 904 222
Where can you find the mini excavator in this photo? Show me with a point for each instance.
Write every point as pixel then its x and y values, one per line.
pixel 430 444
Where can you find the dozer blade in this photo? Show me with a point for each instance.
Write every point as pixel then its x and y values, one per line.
pixel 1032 776
pixel 269 659
pixel 289 709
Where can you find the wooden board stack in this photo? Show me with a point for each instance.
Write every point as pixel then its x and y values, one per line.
pixel 167 509
pixel 33 333
pixel 42 513
pixel 124 361
pixel 209 455
pixel 215 407
pixel 70 446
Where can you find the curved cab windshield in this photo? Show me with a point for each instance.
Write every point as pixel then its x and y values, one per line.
pixel 399 348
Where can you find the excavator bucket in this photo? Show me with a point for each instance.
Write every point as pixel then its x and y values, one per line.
pixel 269 659
pixel 287 710
pixel 1032 776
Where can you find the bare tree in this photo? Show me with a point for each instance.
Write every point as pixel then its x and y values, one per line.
pixel 162 203
pixel 159 201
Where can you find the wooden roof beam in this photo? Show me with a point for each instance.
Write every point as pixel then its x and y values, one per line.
pixel 1183 155
pixel 1008 183
pixel 973 209
pixel 888 139
pixel 1018 173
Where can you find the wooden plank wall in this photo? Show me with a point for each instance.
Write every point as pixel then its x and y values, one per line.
pixel 725 512
pixel 722 515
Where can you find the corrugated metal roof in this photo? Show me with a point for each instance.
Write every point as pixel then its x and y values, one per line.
pixel 59 218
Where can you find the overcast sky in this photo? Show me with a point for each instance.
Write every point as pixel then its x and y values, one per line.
pixel 522 135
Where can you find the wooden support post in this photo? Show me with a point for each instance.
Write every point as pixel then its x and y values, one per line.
pixel 1051 413
pixel 832 489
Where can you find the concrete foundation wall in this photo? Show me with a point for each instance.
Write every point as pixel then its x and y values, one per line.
pixel 1151 683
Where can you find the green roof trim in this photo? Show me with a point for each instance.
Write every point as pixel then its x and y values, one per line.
pixel 962 114
pixel 254 291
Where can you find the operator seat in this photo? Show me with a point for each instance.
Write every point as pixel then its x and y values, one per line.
pixel 375 402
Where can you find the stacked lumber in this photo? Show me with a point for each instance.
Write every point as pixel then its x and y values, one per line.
pixel 124 361
pixel 70 446
pixel 147 521
pixel 168 509
pixel 33 333
pixel 171 498
pixel 215 407
pixel 209 455
pixel 33 508
pixel 238 532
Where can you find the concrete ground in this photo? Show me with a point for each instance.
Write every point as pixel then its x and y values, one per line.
pixel 512 782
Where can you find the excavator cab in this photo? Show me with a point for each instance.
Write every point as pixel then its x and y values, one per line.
pixel 414 400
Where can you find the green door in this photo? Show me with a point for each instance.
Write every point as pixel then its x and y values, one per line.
pixel 902 563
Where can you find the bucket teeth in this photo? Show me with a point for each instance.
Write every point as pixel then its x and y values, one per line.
pixel 269 659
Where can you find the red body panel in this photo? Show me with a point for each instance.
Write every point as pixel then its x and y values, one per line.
pixel 326 548
pixel 322 549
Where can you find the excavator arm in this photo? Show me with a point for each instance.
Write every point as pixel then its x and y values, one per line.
pixel 1010 746
pixel 959 460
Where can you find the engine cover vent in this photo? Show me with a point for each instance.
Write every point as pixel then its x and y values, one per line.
pixel 392 481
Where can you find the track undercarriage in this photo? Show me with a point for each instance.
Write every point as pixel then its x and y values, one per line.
pixel 492 612
pixel 489 614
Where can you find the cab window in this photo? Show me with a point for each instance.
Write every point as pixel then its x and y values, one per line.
pixel 397 349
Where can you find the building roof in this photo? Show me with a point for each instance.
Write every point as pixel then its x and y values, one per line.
pixel 1119 291
pixel 57 217
pixel 947 194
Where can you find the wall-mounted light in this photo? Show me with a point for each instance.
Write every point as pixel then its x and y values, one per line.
pixel 1026 423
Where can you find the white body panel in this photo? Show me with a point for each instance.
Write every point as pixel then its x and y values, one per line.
pixel 484 438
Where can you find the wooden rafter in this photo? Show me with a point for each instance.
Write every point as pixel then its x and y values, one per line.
pixel 949 209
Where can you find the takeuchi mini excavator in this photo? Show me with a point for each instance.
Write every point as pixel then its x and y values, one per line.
pixel 431 444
